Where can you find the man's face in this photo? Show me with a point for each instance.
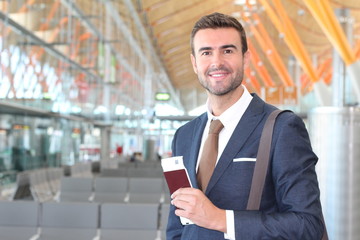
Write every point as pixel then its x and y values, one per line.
pixel 218 60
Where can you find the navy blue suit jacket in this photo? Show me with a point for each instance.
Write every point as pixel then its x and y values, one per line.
pixel 290 206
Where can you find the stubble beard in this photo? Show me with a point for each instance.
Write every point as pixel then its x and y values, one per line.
pixel 221 91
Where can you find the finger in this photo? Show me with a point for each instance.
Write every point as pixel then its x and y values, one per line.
pixel 179 204
pixel 181 200
pixel 188 198
pixel 181 191
pixel 182 213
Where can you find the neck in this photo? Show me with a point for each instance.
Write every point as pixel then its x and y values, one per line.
pixel 219 104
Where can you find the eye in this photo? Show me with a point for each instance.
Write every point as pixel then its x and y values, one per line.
pixel 205 53
pixel 227 51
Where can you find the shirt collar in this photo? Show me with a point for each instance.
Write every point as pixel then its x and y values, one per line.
pixel 233 114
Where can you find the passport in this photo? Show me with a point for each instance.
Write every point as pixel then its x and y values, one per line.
pixel 177 179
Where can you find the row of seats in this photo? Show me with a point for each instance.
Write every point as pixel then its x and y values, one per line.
pixel 81 169
pixel 122 163
pixel 114 189
pixel 131 169
pixel 131 172
pixel 40 184
pixel 74 220
pixel 45 184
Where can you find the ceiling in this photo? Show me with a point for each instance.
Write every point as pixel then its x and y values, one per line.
pixel 171 22
pixel 123 52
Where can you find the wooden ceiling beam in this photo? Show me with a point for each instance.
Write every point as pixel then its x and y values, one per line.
pixel 271 52
pixel 180 64
pixel 169 8
pixel 260 67
pixel 152 4
pixel 325 17
pixel 172 35
pixel 184 41
pixel 285 26
pixel 187 19
pixel 254 82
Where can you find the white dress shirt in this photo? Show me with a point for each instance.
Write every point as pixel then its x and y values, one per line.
pixel 230 118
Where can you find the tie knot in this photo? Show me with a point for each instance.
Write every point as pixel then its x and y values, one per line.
pixel 215 127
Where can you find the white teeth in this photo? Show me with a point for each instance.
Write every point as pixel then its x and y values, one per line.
pixel 218 75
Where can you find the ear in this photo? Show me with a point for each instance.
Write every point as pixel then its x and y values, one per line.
pixel 193 61
pixel 246 58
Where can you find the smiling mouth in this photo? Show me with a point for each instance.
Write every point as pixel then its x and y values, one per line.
pixel 218 75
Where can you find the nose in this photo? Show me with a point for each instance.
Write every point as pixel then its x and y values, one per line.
pixel 217 60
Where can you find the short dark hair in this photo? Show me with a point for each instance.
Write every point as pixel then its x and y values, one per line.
pixel 219 20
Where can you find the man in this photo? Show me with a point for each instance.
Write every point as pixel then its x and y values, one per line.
pixel 290 206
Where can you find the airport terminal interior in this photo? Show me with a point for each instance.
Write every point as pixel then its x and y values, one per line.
pixel 93 91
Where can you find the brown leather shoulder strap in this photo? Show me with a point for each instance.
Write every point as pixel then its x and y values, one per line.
pixel 262 162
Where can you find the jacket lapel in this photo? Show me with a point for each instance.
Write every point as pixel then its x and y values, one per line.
pixel 243 130
pixel 195 147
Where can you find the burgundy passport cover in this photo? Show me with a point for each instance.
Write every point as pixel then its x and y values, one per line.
pixel 176 179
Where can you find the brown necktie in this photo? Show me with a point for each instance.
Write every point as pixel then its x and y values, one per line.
pixel 209 155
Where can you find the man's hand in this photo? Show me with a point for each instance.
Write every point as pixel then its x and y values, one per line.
pixel 194 205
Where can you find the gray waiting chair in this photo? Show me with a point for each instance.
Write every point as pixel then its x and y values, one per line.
pixel 81 169
pixel 18 220
pixel 163 219
pixel 109 172
pixel 145 172
pixel 145 190
pixel 110 189
pixel 109 164
pixel 54 176
pixel 76 189
pixel 40 186
pixel 22 187
pixel 69 220
pixel 121 221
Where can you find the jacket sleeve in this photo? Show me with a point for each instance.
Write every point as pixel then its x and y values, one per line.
pixel 174 227
pixel 292 171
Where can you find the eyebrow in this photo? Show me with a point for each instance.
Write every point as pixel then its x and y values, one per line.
pixel 204 49
pixel 228 46
pixel 221 47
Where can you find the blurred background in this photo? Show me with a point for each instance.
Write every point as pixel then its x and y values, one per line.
pixel 105 81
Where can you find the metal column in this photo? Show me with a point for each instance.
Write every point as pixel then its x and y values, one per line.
pixel 335 136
